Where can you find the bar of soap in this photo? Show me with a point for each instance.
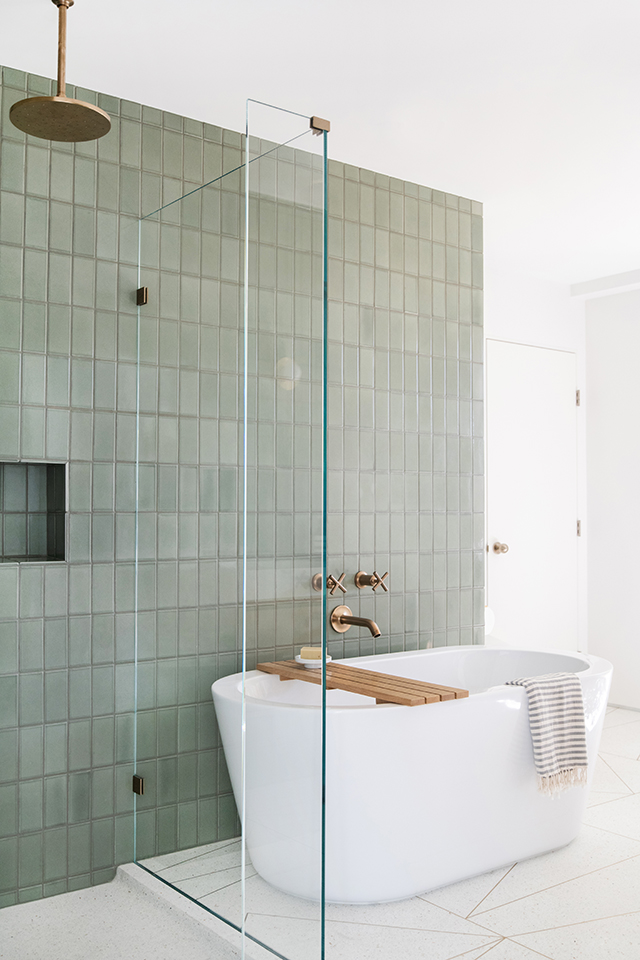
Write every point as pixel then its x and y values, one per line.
pixel 311 653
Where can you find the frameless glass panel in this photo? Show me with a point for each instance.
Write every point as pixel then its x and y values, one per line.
pixel 283 778
pixel 228 534
pixel 188 525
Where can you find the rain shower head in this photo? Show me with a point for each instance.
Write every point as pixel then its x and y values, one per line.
pixel 59 117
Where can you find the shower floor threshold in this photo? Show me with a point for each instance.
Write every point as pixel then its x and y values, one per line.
pixel 134 914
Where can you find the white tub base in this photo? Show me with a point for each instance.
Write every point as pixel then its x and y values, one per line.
pixel 416 797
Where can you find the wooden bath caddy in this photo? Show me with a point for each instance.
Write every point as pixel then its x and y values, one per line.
pixel 384 687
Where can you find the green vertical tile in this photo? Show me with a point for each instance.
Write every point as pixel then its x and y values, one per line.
pixel 79 745
pixel 8 810
pixel 30 859
pixel 8 647
pixel 31 805
pixel 56 692
pixel 60 226
pixel 102 794
pixel 9 431
pixel 31 591
pixel 10 271
pixel 61 176
pixel 12 156
pixel 80 692
pixel 103 741
pixel 79 797
pixel 9 860
pixel 79 850
pixel 55 855
pixel 55 801
pixel 102 843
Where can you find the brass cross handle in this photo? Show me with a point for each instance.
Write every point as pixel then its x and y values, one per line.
pixel 332 583
pixel 373 580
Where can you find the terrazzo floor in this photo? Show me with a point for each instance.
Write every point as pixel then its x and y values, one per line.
pixel 579 903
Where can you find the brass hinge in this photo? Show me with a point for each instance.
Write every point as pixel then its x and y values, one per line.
pixel 578 528
pixel 138 784
pixel 142 296
pixel 577 398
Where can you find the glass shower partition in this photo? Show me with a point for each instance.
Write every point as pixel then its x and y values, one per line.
pixel 230 532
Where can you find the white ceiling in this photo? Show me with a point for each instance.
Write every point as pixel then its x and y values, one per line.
pixel 530 108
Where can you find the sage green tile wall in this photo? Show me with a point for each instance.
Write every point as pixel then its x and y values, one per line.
pixel 68 275
pixel 405 456
pixel 405 448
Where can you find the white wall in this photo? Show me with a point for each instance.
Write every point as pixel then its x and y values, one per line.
pixel 613 476
pixel 522 308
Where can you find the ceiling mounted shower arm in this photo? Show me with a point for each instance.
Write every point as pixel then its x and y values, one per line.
pixel 62 6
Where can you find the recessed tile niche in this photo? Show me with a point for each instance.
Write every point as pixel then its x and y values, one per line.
pixel 33 498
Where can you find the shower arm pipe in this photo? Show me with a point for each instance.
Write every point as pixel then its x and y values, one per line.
pixel 62 6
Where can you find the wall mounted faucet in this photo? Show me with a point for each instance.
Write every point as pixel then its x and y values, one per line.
pixel 341 619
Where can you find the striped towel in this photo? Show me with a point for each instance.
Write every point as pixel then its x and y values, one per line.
pixel 556 718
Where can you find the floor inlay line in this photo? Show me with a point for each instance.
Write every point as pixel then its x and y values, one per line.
pixel 621 779
pixel 563 883
pixel 382 926
pixel 625 836
pixel 527 947
pixel 494 887
pixel 577 923
pixel 206 873
pixel 624 796
pixel 480 955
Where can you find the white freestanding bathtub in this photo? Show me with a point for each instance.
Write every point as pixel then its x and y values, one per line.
pixel 416 797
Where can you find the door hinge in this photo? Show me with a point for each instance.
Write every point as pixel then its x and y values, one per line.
pixel 578 528
pixel 577 398
pixel 142 296
pixel 138 785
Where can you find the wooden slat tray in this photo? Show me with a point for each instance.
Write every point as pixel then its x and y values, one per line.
pixel 384 687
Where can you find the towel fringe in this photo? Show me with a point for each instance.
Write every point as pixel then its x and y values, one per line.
pixel 555 784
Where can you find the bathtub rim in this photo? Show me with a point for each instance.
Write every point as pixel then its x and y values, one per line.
pixel 230 687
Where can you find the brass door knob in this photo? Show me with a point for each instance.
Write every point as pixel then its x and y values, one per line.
pixel 500 547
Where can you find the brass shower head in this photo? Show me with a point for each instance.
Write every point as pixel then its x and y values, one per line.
pixel 59 117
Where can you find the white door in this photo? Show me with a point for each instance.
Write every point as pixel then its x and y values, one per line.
pixel 532 588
